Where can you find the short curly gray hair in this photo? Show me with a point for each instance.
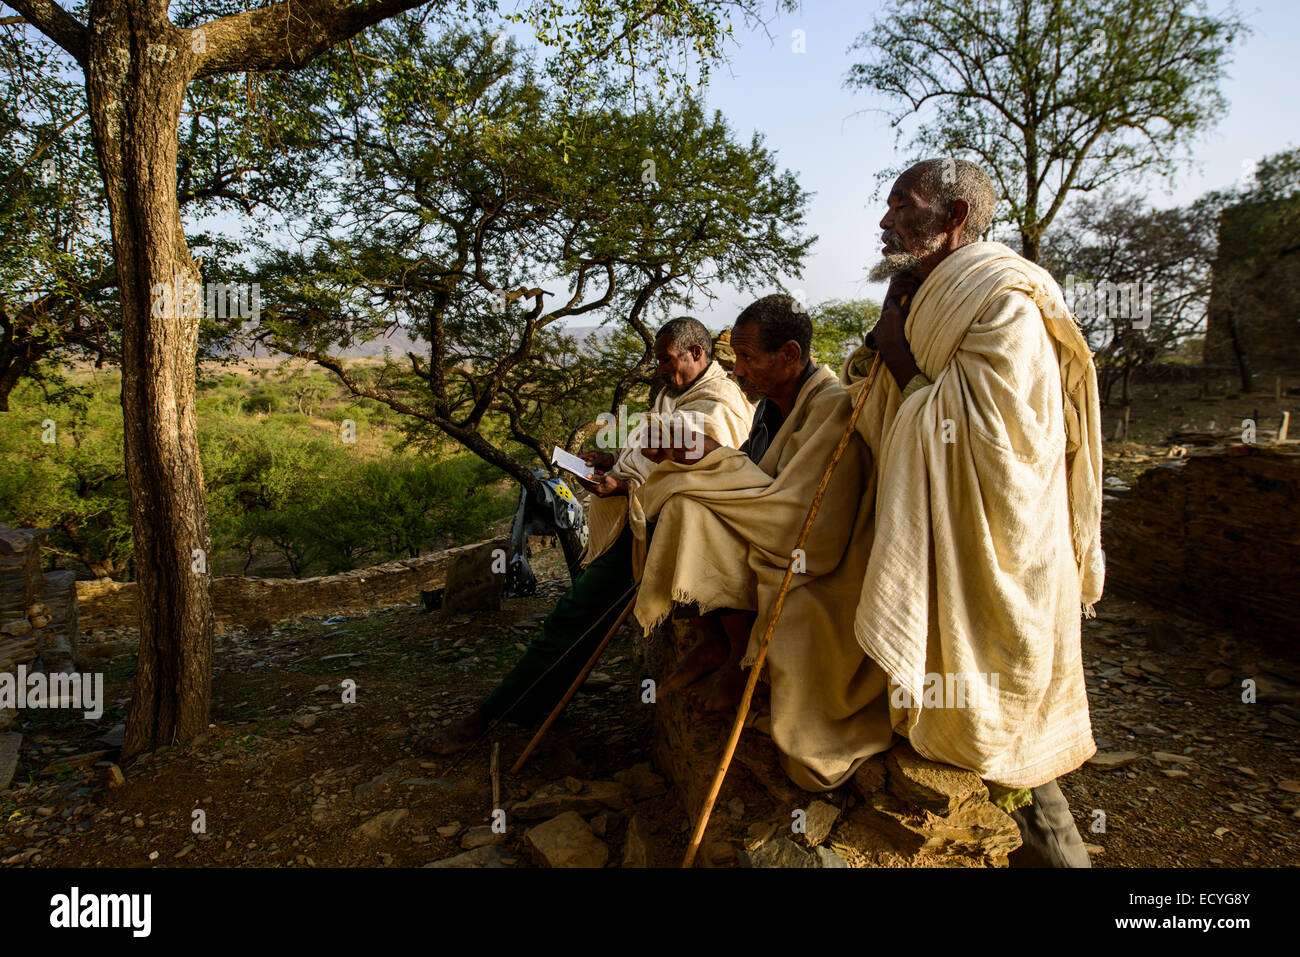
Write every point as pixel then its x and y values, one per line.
pixel 948 180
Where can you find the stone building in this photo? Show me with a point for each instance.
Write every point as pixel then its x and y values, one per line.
pixel 1254 314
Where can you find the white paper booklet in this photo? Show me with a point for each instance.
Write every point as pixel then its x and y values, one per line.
pixel 571 463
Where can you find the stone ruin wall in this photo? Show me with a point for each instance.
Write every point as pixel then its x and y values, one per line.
pixel 39 628
pixel 261 602
pixel 1216 533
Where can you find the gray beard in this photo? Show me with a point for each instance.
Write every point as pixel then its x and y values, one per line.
pixel 895 264
pixel 892 265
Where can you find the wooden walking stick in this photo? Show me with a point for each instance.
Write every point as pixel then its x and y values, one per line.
pixel 752 682
pixel 573 688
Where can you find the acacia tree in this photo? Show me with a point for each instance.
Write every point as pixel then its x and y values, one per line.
pixel 56 275
pixel 839 326
pixel 479 212
pixel 58 281
pixel 137 64
pixel 1163 255
pixel 1051 96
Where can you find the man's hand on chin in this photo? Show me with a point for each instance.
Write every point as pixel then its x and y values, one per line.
pixel 696 446
pixel 888 334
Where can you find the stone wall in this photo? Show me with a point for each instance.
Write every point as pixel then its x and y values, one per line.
pixel 1215 534
pixel 260 602
pixel 38 609
pixel 1256 287
pixel 39 628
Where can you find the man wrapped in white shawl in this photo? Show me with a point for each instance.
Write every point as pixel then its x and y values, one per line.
pixel 698 400
pixel 711 405
pixel 987 534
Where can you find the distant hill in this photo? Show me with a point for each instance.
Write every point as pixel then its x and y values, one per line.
pixel 401 342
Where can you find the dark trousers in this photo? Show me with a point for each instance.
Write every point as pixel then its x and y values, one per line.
pixel 1049 837
pixel 591 605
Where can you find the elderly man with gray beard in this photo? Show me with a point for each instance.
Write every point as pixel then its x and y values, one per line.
pixel 986 441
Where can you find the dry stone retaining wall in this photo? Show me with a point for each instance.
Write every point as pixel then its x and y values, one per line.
pixel 39 628
pixel 1216 534
pixel 261 602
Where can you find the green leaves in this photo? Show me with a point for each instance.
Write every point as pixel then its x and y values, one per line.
pixel 497 210
pixel 1051 96
pixel 76 483
pixel 839 326
pixel 266 495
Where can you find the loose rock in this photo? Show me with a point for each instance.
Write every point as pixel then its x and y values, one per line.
pixel 819 819
pixel 558 797
pixel 1218 678
pixel 481 836
pixel 1110 760
pixel 641 781
pixel 635 851
pixel 490 855
pixel 566 841
pixel 382 824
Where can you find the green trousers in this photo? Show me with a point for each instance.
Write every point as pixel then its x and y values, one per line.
pixel 591 605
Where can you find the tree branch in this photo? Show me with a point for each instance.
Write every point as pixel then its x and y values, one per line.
pixel 287 35
pixel 56 23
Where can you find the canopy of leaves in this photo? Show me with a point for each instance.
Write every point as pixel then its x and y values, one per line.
pixel 839 326
pixel 1051 96
pixel 476 212
pixel 241 151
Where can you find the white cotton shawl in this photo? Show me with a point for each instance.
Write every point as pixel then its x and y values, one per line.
pixel 987 534
pixel 712 405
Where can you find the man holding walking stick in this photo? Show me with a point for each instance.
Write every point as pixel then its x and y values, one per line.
pixel 984 538
pixel 726 531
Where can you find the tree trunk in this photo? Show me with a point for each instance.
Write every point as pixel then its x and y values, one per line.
pixel 19 361
pixel 138 67
pixel 1029 247
pixel 9 377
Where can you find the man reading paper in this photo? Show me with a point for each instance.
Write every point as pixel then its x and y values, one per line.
pixel 725 525
pixel 698 399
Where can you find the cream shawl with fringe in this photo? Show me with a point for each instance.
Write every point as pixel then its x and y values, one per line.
pixel 713 405
pixel 987 534
pixel 723 537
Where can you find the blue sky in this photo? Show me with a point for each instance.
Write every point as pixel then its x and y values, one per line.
pixel 831 138
pixel 836 139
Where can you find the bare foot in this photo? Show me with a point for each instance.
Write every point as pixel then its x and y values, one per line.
pixel 709 654
pixel 456 737
pixel 724 690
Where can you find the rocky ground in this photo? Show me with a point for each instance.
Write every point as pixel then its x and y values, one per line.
pixel 1198 731
pixel 289 775
pixel 1187 773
